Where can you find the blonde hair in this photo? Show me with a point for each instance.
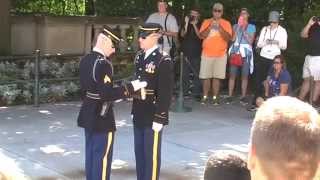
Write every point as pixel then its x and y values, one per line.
pixel 285 136
pixel 9 169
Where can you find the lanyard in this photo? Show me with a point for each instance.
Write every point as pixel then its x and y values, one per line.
pixel 274 36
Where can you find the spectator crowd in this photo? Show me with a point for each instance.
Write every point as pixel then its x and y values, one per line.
pixel 215 50
pixel 284 142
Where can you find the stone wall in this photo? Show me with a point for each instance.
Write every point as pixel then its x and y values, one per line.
pixel 4 27
pixel 64 35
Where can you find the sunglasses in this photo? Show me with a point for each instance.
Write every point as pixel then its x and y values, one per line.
pixel 217 10
pixel 143 35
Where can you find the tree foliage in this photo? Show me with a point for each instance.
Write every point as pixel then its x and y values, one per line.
pixel 53 7
pixel 295 14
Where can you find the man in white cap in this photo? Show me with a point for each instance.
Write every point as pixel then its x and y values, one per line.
pixel 216 32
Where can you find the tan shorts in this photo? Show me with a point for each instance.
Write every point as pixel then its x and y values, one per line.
pixel 213 67
pixel 311 67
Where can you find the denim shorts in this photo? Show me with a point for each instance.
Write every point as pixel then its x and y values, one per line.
pixel 245 68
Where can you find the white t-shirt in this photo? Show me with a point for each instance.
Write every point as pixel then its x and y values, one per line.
pixel 172 26
pixel 278 34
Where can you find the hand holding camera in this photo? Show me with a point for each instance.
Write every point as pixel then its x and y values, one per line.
pixel 314 19
pixel 186 19
pixel 215 25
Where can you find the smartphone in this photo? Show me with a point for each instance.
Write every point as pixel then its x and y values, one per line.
pixel 215 27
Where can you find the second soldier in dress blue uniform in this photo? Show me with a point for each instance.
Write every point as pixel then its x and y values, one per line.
pixel 151 114
pixel 96 114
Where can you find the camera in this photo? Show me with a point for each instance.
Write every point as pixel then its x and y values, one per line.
pixel 192 18
pixel 316 18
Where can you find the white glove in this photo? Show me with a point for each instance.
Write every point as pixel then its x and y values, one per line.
pixel 137 84
pixel 157 126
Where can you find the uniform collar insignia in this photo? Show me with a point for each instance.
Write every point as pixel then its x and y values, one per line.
pixel 106 79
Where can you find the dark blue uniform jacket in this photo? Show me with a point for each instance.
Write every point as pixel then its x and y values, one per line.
pixel 157 70
pixel 98 93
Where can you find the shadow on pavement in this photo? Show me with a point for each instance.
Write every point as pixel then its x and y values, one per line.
pixel 122 174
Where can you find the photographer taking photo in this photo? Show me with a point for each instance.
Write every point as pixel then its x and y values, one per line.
pixel 311 67
pixel 191 48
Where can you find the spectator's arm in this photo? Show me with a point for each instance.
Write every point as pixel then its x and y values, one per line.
pixel 261 40
pixel 283 41
pixel 284 89
pixel 285 80
pixel 170 33
pixel 204 34
pixel 225 33
pixel 184 30
pixel 205 28
pixel 234 33
pixel 266 87
pixel 172 27
pixel 249 37
pixel 196 29
pixel 305 31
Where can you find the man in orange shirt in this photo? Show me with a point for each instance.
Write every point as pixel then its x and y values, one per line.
pixel 216 32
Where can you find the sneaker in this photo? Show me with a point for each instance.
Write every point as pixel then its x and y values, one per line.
pixel 244 100
pixel 215 100
pixel 252 108
pixel 229 100
pixel 317 107
pixel 204 100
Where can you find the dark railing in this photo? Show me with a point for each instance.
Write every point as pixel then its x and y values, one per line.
pixel 37 80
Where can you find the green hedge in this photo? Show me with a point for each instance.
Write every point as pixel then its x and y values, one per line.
pixel 52 89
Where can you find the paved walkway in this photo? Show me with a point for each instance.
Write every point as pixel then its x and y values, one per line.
pixel 46 143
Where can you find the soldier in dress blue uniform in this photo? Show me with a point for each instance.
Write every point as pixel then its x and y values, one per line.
pixel 96 114
pixel 151 114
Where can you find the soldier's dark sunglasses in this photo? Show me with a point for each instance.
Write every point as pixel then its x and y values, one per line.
pixel 217 10
pixel 143 35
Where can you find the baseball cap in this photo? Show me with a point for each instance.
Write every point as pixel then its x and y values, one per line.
pixel 274 16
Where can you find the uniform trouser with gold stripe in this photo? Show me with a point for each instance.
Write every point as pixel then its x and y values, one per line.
pixel 147 146
pixel 99 149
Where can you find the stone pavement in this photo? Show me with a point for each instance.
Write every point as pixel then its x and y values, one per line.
pixel 46 143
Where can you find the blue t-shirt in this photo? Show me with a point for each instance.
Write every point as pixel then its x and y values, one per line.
pixel 251 30
pixel 274 83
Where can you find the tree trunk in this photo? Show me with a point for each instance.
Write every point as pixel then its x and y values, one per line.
pixel 90 7
pixel 5 32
